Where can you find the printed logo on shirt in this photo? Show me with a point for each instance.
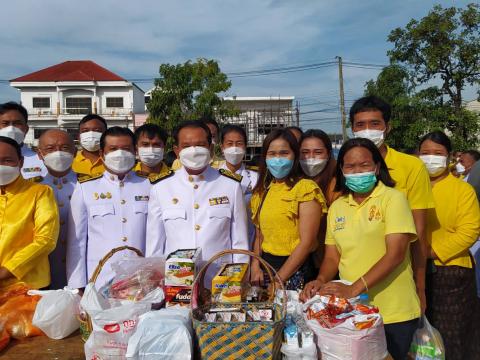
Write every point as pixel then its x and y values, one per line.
pixel 142 197
pixel 31 170
pixel 339 223
pixel 219 200
pixel 374 213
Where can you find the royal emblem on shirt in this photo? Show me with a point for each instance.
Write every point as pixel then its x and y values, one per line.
pixel 97 196
pixel 339 223
pixel 219 200
pixel 32 169
pixel 374 213
pixel 141 197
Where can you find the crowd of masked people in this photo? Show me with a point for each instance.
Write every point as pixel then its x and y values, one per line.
pixel 395 226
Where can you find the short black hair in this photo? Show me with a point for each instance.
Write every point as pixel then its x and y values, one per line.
pixel 437 137
pixel 473 153
pixel 233 128
pixel 210 120
pixel 116 131
pixel 371 103
pixel 89 117
pixel 383 174
pixel 13 143
pixel 13 106
pixel 298 128
pixel 151 130
pixel 319 134
pixel 192 124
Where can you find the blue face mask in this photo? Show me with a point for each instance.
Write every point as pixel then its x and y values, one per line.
pixel 361 182
pixel 279 167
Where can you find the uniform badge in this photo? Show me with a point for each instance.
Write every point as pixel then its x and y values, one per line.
pixel 174 200
pixel 142 198
pixel 108 195
pixel 96 196
pixel 339 223
pixel 219 200
pixel 374 213
pixel 102 196
pixel 34 169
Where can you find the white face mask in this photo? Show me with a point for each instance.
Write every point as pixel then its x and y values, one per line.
pixel 460 168
pixel 90 140
pixel 376 136
pixel 234 155
pixel 312 166
pixel 58 161
pixel 120 161
pixel 195 157
pixel 8 174
pixel 13 133
pixel 436 164
pixel 150 156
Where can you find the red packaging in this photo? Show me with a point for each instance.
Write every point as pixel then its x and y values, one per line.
pixel 178 296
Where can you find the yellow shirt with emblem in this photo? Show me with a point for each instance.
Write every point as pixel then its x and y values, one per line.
pixel 453 225
pixel 411 178
pixel 29 223
pixel 278 218
pixel 358 231
pixel 82 165
pixel 163 170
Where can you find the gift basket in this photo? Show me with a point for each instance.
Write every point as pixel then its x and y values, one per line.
pixel 235 321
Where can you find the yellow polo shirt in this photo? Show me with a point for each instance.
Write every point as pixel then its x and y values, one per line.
pixel 454 224
pixel 278 218
pixel 82 165
pixel 358 231
pixel 411 178
pixel 29 225
pixel 163 169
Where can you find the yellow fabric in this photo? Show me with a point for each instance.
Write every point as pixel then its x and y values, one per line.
pixel 358 231
pixel 29 223
pixel 278 218
pixel 214 163
pixel 454 224
pixel 164 169
pixel 82 165
pixel 411 178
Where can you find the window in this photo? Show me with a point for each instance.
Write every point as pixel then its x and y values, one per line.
pixel 78 105
pixel 114 102
pixel 37 132
pixel 41 102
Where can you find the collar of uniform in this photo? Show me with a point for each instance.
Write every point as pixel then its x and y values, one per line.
pixel 15 185
pixel 378 191
pixel 449 178
pixel 81 157
pixel 112 178
pixel 70 177
pixel 205 175
pixel 239 171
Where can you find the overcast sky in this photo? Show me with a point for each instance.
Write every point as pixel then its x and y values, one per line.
pixel 132 38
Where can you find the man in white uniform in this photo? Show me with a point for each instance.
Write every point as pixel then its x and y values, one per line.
pixel 13 124
pixel 107 211
pixel 56 149
pixel 196 206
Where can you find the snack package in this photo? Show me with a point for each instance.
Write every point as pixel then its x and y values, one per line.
pixel 228 283
pixel 180 267
pixel 10 291
pixel 178 296
pixel 16 316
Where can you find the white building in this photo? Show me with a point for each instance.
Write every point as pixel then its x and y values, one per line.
pixel 60 95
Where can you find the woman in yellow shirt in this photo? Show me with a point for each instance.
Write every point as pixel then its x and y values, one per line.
pixel 369 231
pixel 286 211
pixel 452 228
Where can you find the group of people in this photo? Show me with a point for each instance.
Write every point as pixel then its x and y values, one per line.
pixel 397 227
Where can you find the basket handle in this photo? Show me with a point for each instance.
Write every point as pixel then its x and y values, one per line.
pixel 270 271
pixel 107 257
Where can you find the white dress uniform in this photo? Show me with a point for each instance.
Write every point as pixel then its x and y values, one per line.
pixel 32 165
pixel 105 213
pixel 188 211
pixel 63 189
pixel 248 182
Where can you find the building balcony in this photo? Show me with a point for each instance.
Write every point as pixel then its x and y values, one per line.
pixel 73 115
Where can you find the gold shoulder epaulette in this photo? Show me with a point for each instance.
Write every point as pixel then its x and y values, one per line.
pixel 155 178
pixel 36 179
pixel 252 167
pixel 231 175
pixel 86 177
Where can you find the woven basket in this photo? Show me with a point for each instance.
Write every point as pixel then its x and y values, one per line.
pixel 238 340
pixel 86 324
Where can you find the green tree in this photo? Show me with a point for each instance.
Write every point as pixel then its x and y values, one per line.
pixel 189 91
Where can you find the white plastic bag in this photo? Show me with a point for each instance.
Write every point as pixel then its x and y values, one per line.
pixel 164 334
pixel 56 312
pixel 427 343
pixel 297 353
pixel 345 342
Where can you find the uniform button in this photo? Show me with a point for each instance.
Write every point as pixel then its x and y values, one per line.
pixel 61 204
pixel 197 227
pixel 196 206
pixel 112 177
pixel 121 184
pixel 122 202
pixel 190 178
pixel 59 186
pixel 62 222
pixel 195 186
pixel 124 238
pixel 124 220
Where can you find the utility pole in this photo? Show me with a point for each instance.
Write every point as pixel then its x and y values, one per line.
pixel 342 98
pixel 297 113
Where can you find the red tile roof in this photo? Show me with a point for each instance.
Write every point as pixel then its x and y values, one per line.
pixel 78 70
